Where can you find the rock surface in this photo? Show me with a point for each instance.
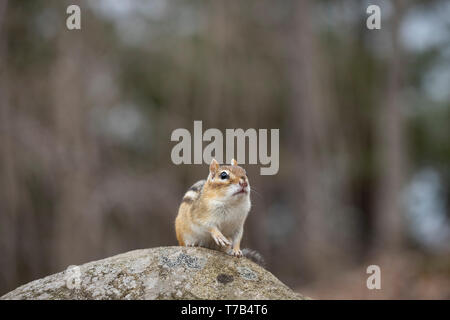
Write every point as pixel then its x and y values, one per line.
pixel 160 273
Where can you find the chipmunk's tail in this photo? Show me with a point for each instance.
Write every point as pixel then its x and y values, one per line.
pixel 255 256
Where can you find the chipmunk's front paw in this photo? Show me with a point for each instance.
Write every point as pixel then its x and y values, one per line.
pixel 221 240
pixel 236 253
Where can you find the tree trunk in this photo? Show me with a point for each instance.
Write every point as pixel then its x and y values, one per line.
pixel 388 224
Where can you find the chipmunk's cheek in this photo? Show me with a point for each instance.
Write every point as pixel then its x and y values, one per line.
pixel 233 189
pixel 223 194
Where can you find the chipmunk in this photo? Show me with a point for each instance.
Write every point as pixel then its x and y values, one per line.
pixel 213 211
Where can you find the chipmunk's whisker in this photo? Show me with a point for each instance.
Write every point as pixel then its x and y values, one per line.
pixel 253 190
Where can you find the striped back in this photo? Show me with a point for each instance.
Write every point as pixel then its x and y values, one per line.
pixel 194 192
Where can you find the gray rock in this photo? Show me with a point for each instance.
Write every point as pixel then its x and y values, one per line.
pixel 160 273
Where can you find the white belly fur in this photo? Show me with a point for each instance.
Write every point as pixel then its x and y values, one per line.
pixel 228 219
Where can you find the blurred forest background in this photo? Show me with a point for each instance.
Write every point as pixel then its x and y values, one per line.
pixel 364 118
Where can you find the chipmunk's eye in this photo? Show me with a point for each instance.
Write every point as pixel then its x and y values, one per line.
pixel 224 175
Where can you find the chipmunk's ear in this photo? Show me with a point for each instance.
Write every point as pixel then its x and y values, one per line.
pixel 234 162
pixel 214 166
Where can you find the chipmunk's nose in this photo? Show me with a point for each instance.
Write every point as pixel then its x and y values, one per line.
pixel 243 184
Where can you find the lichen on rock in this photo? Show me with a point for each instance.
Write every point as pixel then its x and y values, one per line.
pixel 160 273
